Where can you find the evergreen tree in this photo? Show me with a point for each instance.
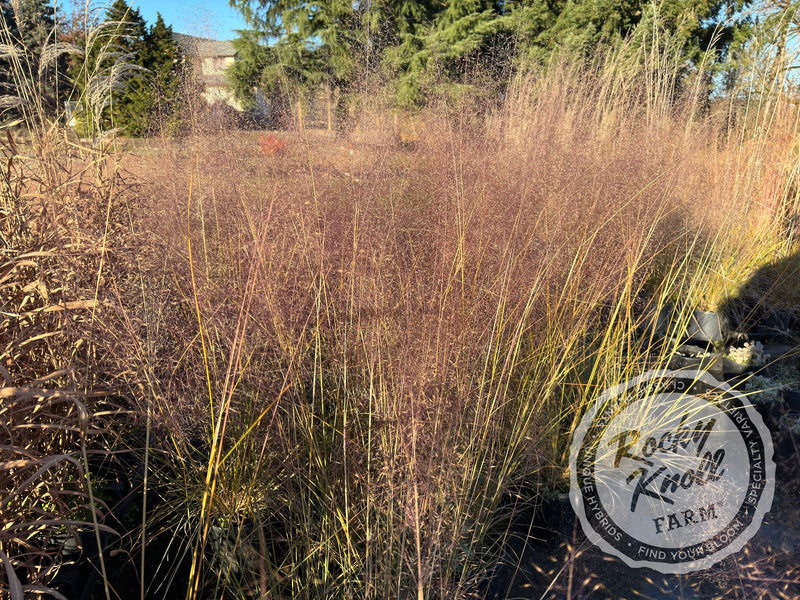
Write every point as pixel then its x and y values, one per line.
pixel 316 44
pixel 424 42
pixel 763 58
pixel 465 34
pixel 127 27
pixel 129 76
pixel 38 71
pixel 127 36
pixel 164 60
pixel 143 66
pixel 700 25
pixel 247 74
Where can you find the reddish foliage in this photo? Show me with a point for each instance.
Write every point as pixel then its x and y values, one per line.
pixel 271 145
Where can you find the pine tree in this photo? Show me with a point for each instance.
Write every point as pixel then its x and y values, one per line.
pixel 127 27
pixel 39 69
pixel 700 25
pixel 317 44
pixel 147 92
pixel 139 67
pixel 464 33
pixel 427 42
pixel 164 60
pixel 126 34
pixel 246 75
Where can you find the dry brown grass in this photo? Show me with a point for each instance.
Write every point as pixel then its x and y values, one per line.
pixel 63 212
pixel 346 359
pixel 378 341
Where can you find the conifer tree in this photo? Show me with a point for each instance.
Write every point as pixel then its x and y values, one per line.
pixel 127 33
pixel 253 57
pixel 701 25
pixel 425 42
pixel 128 27
pixel 164 61
pixel 29 27
pixel 316 44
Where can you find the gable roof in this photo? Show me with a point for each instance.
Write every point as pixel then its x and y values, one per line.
pixel 204 47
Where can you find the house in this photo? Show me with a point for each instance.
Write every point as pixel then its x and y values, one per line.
pixel 212 58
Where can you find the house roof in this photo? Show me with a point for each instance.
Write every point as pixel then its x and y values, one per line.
pixel 204 47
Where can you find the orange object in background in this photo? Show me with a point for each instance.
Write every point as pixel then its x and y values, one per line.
pixel 271 145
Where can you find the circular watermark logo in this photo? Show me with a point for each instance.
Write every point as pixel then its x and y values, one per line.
pixel 672 470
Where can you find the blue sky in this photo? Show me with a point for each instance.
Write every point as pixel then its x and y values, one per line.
pixel 206 18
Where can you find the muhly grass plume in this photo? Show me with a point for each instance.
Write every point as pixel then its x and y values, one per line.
pixel 351 361
pixel 368 347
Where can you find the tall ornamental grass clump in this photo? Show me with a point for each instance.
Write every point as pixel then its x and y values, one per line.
pixel 346 366
pixel 63 216
pixel 369 353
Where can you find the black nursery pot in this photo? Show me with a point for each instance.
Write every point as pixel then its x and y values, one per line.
pixel 707 326
pixel 792 399
pixel 787 451
pixel 704 327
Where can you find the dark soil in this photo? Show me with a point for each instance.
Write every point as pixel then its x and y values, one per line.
pixel 549 557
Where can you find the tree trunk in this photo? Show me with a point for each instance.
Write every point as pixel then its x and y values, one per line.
pixel 300 115
pixel 329 106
